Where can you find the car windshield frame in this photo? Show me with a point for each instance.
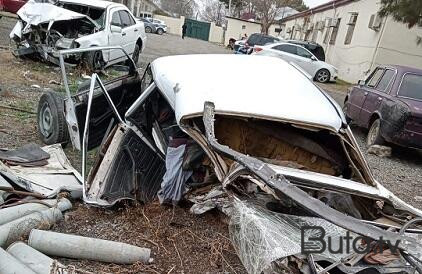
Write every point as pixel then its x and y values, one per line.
pixel 399 90
pixel 100 24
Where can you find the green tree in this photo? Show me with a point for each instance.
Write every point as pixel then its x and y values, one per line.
pixel 268 10
pixel 406 11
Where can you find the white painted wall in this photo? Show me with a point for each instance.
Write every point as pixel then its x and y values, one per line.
pixel 216 34
pixel 237 28
pixel 174 25
pixel 398 45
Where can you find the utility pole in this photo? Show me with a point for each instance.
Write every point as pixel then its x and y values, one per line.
pixel 230 7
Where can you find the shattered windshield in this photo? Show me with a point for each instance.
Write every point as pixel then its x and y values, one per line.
pixel 96 14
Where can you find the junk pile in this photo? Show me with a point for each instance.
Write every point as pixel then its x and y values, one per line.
pixel 34 182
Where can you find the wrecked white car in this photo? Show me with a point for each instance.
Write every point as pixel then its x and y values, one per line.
pixel 276 159
pixel 45 28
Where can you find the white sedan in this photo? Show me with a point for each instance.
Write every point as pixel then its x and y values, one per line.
pixel 318 70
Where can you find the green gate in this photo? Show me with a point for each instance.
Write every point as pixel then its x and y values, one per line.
pixel 197 29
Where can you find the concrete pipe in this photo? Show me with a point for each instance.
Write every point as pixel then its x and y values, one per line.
pixel 35 260
pixel 12 213
pixel 78 247
pixel 10 265
pixel 14 230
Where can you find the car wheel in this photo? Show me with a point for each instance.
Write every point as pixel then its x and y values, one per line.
pixel 374 135
pixel 323 76
pixel 160 31
pixel 136 53
pixel 148 29
pixel 94 60
pixel 52 126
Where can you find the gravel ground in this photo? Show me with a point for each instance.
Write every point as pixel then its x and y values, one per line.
pixel 180 242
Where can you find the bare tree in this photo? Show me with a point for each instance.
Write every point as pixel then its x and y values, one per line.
pixel 185 8
pixel 268 10
pixel 214 11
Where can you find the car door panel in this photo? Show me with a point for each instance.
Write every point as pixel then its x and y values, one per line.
pixel 375 96
pixel 129 31
pixel 355 102
pixel 115 38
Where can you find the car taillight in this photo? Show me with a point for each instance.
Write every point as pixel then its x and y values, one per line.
pixel 257 49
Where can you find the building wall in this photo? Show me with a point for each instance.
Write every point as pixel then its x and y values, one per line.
pixel 174 25
pixel 398 45
pixel 393 43
pixel 238 28
pixel 216 34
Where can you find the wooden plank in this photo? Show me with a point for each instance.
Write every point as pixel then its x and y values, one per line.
pixel 8 14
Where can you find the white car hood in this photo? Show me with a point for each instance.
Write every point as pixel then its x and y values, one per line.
pixel 34 13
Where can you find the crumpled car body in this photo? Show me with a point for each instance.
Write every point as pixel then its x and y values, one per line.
pixel 45 28
pixel 280 156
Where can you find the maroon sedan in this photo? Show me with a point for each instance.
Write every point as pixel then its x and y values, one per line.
pixel 12 5
pixel 389 104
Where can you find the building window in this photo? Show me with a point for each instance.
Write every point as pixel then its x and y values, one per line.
pixel 327 34
pixel 314 35
pixel 351 28
pixel 334 32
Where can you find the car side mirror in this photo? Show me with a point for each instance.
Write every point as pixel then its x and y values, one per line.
pixel 313 58
pixel 115 29
pixel 361 82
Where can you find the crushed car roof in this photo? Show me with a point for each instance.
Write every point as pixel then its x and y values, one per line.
pixel 257 86
pixel 92 3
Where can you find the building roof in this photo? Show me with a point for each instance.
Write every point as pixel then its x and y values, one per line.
pixel 244 85
pixel 235 18
pixel 329 5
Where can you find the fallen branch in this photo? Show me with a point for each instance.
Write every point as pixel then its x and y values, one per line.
pixel 17 109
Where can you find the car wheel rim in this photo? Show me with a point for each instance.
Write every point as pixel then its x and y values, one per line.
pixel 46 120
pixel 322 76
pixel 160 31
pixel 372 134
pixel 148 30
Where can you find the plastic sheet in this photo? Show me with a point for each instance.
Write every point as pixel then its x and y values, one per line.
pixel 261 236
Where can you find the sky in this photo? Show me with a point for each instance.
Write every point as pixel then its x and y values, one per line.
pixel 313 3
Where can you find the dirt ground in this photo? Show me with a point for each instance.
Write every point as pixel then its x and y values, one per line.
pixel 180 242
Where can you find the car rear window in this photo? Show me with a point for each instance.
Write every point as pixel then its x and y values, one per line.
pixel 411 86
pixel 253 39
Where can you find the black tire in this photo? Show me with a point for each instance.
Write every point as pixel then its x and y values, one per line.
pixel 160 31
pixel 374 134
pixel 52 127
pixel 323 76
pixel 94 60
pixel 136 53
pixel 148 29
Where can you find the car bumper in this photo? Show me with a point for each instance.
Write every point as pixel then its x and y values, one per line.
pixel 333 77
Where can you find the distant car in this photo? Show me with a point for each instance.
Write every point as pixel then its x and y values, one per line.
pixel 256 39
pixel 389 104
pixel 319 70
pixel 160 25
pixel 313 47
pixel 149 26
pixel 12 5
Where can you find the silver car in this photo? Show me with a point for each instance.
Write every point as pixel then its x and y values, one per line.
pixel 317 69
